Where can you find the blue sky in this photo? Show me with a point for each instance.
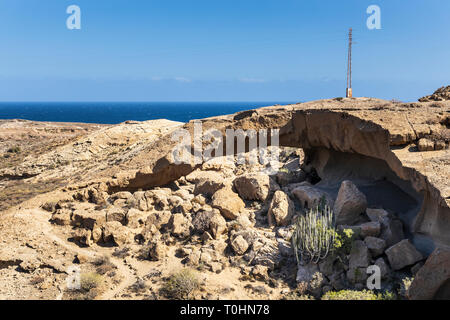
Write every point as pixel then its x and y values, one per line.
pixel 211 50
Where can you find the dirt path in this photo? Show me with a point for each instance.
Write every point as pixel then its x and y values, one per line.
pixel 126 273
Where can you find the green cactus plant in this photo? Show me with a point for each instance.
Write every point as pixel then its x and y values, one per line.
pixel 314 234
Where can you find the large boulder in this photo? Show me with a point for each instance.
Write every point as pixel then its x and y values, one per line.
pixel 159 219
pixel 135 218
pixel 359 255
pixel 370 229
pixel 179 225
pixel 281 209
pixel 376 246
pixel 228 202
pixel 115 232
pixel 217 225
pixel 350 204
pixel 255 186
pixel 403 254
pixel 87 218
pixel 432 281
pixel 309 196
pixel 115 214
pixel 206 182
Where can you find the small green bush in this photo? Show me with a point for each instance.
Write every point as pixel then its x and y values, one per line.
pixel 350 295
pixel 181 285
pixel 90 281
pixel 343 242
pixel 357 295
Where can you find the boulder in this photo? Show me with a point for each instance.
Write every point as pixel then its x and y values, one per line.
pixel 62 217
pixel 218 225
pixel 157 199
pixel 377 215
pixel 115 232
pixel 281 209
pixel 179 225
pixel 201 221
pixel 239 245
pixel 159 219
pixel 83 237
pixel 228 202
pixel 370 229
pixel 115 214
pixel 384 268
pixel 403 254
pixel 88 218
pixel 306 273
pixel 376 246
pixel 425 145
pixel 206 182
pixel 157 251
pixel 255 186
pixel 350 204
pixel 140 202
pixel 310 197
pixel 432 281
pixel 359 255
pixel 135 218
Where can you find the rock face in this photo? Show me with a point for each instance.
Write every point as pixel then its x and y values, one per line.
pixel 403 254
pixel 255 186
pixel 350 204
pixel 281 209
pixel 432 281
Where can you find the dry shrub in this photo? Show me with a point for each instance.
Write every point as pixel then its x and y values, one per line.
pixel 181 285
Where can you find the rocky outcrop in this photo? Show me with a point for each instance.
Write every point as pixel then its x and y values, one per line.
pixel 440 94
pixel 144 196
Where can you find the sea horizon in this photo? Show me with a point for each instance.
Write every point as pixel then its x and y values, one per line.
pixel 114 112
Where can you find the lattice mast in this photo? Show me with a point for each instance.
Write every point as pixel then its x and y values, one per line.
pixel 349 92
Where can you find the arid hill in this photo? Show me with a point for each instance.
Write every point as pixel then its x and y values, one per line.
pixel 130 216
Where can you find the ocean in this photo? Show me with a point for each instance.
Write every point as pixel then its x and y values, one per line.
pixel 117 112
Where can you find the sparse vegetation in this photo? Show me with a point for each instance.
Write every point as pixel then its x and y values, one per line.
pixel 121 253
pixel 181 285
pixel 15 149
pixel 90 281
pixel 343 240
pixel 404 286
pixel 314 234
pixel 357 295
pixel 350 295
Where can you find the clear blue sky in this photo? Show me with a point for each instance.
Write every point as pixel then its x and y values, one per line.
pixel 212 50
